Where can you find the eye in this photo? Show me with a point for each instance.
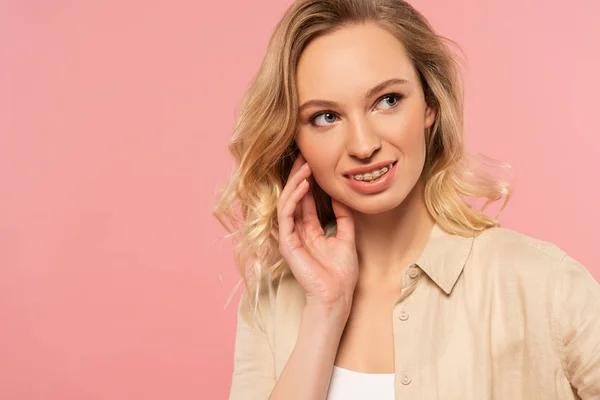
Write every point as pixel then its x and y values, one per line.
pixel 323 118
pixel 390 100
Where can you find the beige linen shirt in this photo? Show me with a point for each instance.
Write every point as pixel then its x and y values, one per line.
pixel 501 316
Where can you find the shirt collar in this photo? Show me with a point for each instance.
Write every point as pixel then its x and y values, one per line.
pixel 444 257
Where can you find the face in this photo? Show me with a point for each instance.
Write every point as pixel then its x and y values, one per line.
pixel 362 108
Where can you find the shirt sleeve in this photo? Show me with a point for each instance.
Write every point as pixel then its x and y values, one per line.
pixel 253 366
pixel 578 319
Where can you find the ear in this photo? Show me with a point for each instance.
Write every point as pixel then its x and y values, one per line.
pixel 430 114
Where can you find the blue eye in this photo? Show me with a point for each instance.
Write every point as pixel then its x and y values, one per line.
pixel 391 100
pixel 328 117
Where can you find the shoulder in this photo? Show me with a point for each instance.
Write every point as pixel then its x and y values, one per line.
pixel 516 246
pixel 529 272
pixel 517 255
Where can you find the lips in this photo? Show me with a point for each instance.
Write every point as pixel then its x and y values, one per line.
pixel 373 186
pixel 369 168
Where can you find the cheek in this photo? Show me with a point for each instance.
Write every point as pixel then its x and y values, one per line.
pixel 323 157
pixel 318 150
pixel 322 163
pixel 407 134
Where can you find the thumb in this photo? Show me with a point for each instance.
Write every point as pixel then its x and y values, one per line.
pixel 345 220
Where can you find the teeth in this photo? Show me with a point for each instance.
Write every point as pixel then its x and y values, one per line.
pixel 369 176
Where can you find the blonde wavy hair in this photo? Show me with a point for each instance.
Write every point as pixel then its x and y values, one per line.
pixel 263 140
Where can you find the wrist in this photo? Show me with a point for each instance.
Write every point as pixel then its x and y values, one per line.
pixel 328 315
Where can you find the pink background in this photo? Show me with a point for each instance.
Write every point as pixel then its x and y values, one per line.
pixel 114 119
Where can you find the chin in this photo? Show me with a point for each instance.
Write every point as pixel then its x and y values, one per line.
pixel 375 203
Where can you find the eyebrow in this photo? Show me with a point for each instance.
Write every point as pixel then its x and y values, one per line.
pixel 370 93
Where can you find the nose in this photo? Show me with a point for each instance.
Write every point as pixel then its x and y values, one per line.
pixel 362 140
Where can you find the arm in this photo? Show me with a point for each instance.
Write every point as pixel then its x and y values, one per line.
pixel 578 319
pixel 326 267
pixel 307 373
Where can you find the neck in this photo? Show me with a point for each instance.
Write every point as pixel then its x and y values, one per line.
pixel 389 241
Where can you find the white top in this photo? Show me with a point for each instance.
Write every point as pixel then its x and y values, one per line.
pixel 351 385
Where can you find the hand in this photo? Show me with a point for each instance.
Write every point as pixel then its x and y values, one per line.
pixel 325 267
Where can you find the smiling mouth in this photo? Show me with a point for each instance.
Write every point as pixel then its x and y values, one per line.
pixel 372 175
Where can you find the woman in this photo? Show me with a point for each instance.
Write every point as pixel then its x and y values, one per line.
pixel 370 276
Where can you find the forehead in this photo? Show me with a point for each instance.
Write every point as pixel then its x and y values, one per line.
pixel 349 61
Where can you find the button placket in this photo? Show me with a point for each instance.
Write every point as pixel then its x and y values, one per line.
pixel 403 316
pixel 406 379
pixel 404 333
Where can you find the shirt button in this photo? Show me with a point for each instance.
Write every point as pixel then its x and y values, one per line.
pixel 403 316
pixel 413 272
pixel 406 380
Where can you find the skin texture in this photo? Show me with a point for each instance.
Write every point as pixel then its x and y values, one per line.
pixel 342 67
pixel 352 280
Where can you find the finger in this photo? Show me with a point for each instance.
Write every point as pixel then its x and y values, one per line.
pixel 304 268
pixel 298 210
pixel 302 172
pixel 287 212
pixel 310 218
pixel 345 220
pixel 297 164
